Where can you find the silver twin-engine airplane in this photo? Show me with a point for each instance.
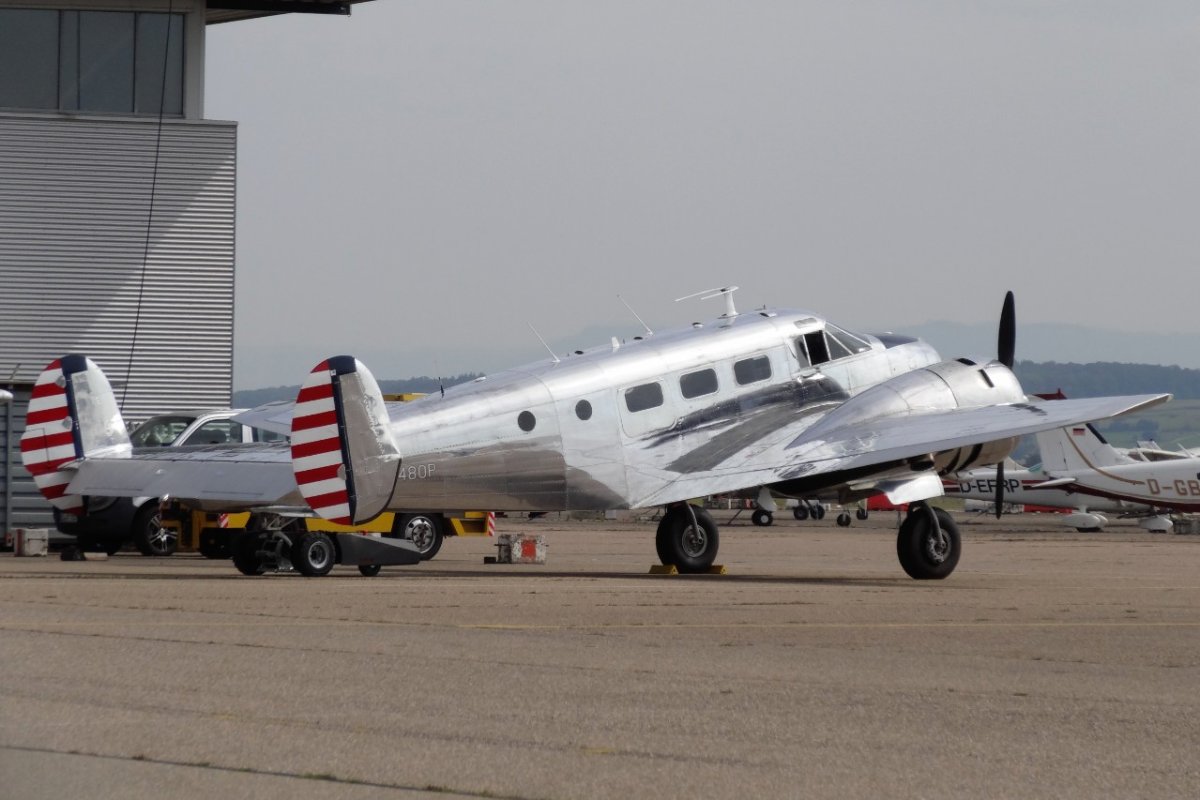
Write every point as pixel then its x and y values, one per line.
pixel 778 399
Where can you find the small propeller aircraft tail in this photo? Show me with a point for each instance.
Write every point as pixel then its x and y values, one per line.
pixel 1074 448
pixel 343 453
pixel 72 414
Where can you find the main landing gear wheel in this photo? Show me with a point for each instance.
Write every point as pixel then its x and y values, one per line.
pixel 862 513
pixel 313 554
pixel 369 570
pixel 762 518
pixel 687 537
pixel 843 519
pixel 800 512
pixel 928 544
pixel 149 536
pixel 818 512
pixel 246 553
pixel 423 530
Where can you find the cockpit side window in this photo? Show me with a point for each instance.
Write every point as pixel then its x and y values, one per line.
pixel 852 344
pixel 801 352
pixel 818 353
pixel 837 348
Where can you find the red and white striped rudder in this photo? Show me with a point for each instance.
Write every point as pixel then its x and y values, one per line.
pixel 72 414
pixel 343 454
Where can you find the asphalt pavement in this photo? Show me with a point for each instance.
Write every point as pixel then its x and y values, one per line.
pixel 1050 664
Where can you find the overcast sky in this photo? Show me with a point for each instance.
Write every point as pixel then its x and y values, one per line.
pixel 419 181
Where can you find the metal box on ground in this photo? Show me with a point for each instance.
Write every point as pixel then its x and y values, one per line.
pixel 31 541
pixel 520 548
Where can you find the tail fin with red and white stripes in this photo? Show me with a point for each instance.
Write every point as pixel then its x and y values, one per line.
pixel 343 453
pixel 72 414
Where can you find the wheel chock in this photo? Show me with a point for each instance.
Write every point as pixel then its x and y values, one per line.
pixel 671 569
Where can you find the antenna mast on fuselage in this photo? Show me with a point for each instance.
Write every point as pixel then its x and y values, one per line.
pixel 708 294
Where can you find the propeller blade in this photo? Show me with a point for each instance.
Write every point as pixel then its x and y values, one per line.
pixel 1006 342
pixel 999 485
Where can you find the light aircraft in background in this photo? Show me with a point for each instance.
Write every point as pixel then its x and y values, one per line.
pixel 771 398
pixel 5 395
pixel 1026 485
pixel 1077 459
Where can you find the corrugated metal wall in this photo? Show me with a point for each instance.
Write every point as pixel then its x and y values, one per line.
pixel 75 197
pixel 21 506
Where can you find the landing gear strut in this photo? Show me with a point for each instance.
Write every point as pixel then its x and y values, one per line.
pixel 687 537
pixel 928 544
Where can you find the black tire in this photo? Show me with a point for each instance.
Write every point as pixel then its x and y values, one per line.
pixel 800 512
pixel 762 518
pixel 818 511
pixel 862 513
pixel 313 554
pixel 843 519
pixel 423 530
pixel 214 544
pixel 369 570
pixel 691 548
pixel 921 555
pixel 245 554
pixel 149 536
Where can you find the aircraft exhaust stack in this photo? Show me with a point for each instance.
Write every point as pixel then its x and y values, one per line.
pixel 343 453
pixel 72 414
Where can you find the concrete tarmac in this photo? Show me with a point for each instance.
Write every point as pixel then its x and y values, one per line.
pixel 1050 664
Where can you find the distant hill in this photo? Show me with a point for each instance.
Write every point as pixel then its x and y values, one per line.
pixel 1105 378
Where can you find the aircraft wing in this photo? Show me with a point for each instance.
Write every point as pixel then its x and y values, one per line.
pixel 253 474
pixel 823 450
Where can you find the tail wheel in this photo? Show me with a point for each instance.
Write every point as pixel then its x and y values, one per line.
pixel 928 544
pixel 762 518
pixel 423 530
pixel 247 555
pixel 313 554
pixel 687 537
pixel 149 536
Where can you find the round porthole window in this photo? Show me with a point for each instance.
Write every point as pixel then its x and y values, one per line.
pixel 583 409
pixel 526 421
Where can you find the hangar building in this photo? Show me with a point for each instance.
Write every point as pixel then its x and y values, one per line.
pixel 117 202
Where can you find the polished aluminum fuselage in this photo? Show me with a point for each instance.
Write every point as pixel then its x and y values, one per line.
pixel 560 434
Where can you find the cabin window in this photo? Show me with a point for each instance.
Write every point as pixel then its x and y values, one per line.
pixel 526 421
pixel 696 384
pixel 583 410
pixel 640 398
pixel 752 370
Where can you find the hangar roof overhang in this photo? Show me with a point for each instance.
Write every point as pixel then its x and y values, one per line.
pixel 234 10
